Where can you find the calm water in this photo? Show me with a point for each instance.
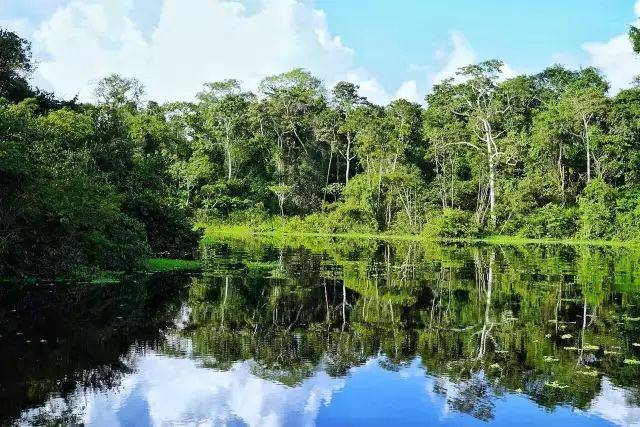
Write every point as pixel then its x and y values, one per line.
pixel 334 333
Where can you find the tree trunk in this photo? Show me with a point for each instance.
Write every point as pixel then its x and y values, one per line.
pixel 492 172
pixel 588 143
pixel 561 171
pixel 324 197
pixel 492 192
pixel 348 159
pixel 227 130
pixel 487 325
pixel 228 161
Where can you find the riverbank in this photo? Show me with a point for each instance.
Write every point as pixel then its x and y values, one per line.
pixel 213 232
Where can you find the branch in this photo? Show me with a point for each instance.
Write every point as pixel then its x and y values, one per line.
pixel 464 143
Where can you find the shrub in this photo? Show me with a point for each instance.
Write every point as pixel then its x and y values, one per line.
pixel 550 221
pixel 451 223
pixel 169 232
pixel 628 215
pixel 597 210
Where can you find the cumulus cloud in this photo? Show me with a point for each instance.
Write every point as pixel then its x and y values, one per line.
pixel 175 49
pixel 370 87
pixel 616 58
pixel 210 40
pixel 615 405
pixel 409 91
pixel 170 391
pixel 459 54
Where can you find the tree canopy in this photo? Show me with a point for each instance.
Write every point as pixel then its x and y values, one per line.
pixel 102 185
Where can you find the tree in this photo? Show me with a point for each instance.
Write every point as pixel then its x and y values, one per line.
pixel 634 36
pixel 117 91
pixel 287 112
pixel 15 66
pixel 346 100
pixel 225 112
pixel 483 103
pixel 580 108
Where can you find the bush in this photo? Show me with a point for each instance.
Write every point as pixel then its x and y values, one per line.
pixel 628 215
pixel 169 232
pixel 347 218
pixel 253 216
pixel 451 223
pixel 597 210
pixel 342 218
pixel 550 221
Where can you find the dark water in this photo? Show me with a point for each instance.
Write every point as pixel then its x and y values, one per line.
pixel 334 333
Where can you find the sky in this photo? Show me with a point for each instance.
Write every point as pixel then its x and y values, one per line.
pixel 392 49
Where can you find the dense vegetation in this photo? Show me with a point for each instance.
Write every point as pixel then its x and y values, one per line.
pixel 85 187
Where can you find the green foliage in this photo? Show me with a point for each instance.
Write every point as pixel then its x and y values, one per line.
pixel 101 186
pixel 84 189
pixel 627 224
pixel 596 208
pixel 451 223
pixel 551 221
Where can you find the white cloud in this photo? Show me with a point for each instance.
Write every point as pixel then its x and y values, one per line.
pixel 615 405
pixel 460 54
pixel 175 391
pixel 210 40
pixel 616 58
pixel 409 91
pixel 508 72
pixel 370 87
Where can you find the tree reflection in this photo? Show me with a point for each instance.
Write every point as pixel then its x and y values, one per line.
pixel 484 321
pixel 487 319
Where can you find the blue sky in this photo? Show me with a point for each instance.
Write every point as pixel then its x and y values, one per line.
pixel 390 36
pixel 396 48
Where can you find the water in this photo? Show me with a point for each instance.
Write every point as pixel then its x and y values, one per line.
pixel 324 332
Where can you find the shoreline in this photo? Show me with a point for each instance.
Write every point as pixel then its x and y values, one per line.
pixel 231 231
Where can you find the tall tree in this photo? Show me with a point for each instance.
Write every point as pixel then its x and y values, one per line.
pixel 225 109
pixel 483 103
pixel 345 99
pixel 15 66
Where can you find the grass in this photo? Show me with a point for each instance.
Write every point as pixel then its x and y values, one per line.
pixel 160 265
pixel 244 231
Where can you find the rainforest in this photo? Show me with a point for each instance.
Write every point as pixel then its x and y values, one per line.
pixel 289 252
pixel 104 186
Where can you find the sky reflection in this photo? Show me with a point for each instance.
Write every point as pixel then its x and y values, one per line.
pixel 165 390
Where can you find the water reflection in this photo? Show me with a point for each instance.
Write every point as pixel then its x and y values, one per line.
pixel 318 332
